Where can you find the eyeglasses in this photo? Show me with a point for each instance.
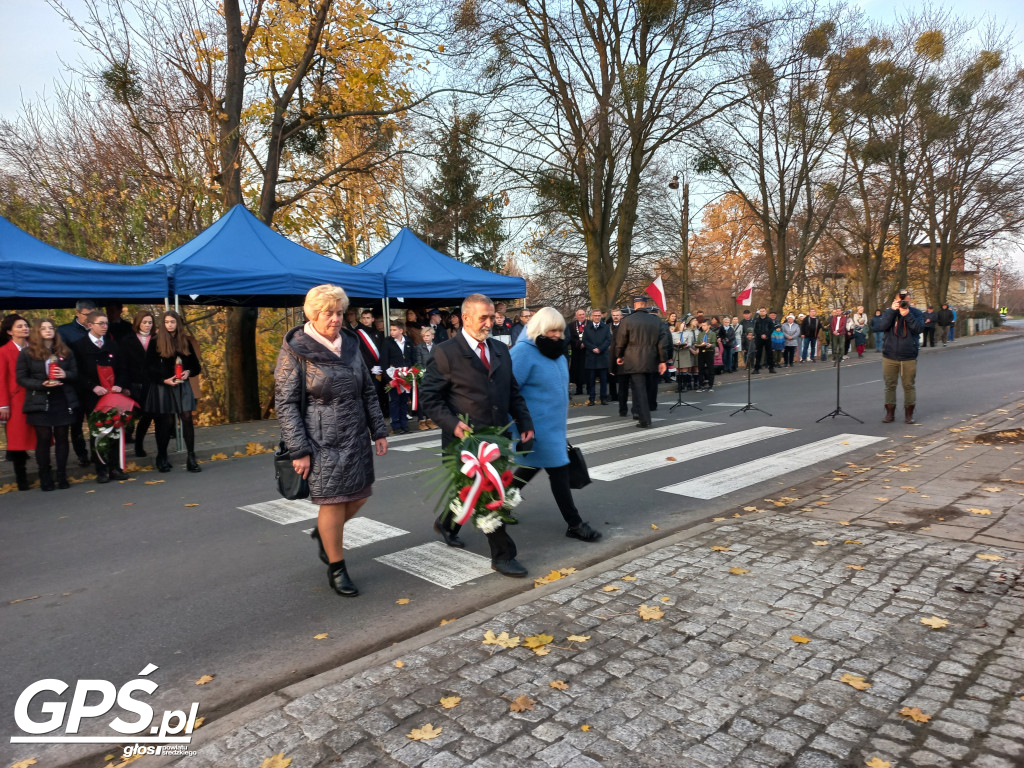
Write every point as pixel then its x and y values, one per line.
pixel 100 322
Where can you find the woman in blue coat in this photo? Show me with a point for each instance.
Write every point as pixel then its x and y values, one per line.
pixel 540 369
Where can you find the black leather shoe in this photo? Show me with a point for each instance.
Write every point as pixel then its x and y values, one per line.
pixel 508 568
pixel 449 538
pixel 315 535
pixel 583 532
pixel 641 425
pixel 191 464
pixel 115 473
pixel 162 464
pixel 102 477
pixel 623 414
pixel 62 481
pixel 340 582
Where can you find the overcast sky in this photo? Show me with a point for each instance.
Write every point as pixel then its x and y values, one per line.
pixel 34 40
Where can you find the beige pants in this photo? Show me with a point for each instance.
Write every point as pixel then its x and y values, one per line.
pixel 892 370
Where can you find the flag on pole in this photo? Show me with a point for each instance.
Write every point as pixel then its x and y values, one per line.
pixel 656 291
pixel 745 296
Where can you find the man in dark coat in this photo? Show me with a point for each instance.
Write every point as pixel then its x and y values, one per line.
pixel 577 350
pixel 640 351
pixel 440 333
pixel 809 328
pixel 94 354
pixel 597 338
pixel 399 352
pixel 901 324
pixel 943 319
pixel 614 391
pixel 70 333
pixel 929 327
pixel 764 326
pixel 471 375
pixel 371 346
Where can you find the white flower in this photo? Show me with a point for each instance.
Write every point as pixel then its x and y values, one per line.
pixel 456 506
pixel 488 523
pixel 512 498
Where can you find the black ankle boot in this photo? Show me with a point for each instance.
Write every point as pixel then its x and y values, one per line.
pixel 337 577
pixel 45 479
pixel 139 450
pixel 162 464
pixel 21 474
pixel 191 464
pixel 323 552
pixel 62 480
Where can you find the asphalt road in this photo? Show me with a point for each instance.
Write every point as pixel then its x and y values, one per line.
pixel 99 581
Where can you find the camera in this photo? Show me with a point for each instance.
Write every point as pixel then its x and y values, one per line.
pixel 904 304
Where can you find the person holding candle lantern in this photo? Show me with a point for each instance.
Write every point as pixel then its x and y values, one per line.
pixel 100 370
pixel 170 362
pixel 46 368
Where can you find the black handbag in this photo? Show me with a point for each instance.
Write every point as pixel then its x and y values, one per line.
pixel 579 477
pixel 290 484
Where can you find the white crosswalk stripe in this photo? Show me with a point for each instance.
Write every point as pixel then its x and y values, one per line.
pixel 731 479
pixel 643 435
pixel 439 564
pixel 282 511
pixel 634 465
pixel 360 531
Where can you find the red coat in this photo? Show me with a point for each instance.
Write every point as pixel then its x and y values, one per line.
pixel 20 437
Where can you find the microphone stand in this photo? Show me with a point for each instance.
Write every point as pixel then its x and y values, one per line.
pixel 838 411
pixel 679 388
pixel 750 405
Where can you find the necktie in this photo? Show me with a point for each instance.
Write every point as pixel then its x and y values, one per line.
pixel 483 356
pixel 99 343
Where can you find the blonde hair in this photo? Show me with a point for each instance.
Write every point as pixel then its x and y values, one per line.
pixel 544 319
pixel 324 298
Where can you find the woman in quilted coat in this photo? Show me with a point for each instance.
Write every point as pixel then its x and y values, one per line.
pixel 331 444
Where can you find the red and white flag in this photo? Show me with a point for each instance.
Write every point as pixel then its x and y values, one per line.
pixel 656 291
pixel 746 296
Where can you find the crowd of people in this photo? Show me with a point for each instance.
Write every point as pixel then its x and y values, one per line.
pixel 53 377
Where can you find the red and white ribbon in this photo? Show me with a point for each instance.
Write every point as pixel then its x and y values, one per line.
pixel 478 467
pixel 402 385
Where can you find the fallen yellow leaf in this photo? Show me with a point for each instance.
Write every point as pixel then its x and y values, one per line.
pixel 584 728
pixel 738 571
pixel 218 457
pixel 542 651
pixel 445 621
pixel 399 664
pixel 32 760
pixel 856 681
pixel 578 638
pixel 717 519
pixel 277 761
pixel 665 599
pixel 321 636
pixel 128 504
pixel 853 541
pixel 877 762
pixel 205 679
pixel 629 578
pixel 974 511
pixel 503 639
pixel 199 723
pixel 993 558
pixel 648 612
pixel 751 509
pixel 915 714
pixel 402 601
pixel 191 505
pixel 522 703
pixel 844 522
pixel 426 733
pixel 992 489
pixel 670 458
pixel 820 543
pixel 800 639
pixel 717 548
pixel 855 567
pixel 881 498
pixel 154 482
pixel 935 622
pixel 654 527
pixel 537 641
pixel 450 702
pixel 559 685
pixel 609 588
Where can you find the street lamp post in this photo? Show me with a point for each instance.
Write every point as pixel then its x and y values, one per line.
pixel 684 233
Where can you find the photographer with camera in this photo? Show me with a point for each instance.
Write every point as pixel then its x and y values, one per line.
pixel 902 324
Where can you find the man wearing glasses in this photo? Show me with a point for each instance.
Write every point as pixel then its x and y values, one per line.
pixel 101 370
pixel 520 324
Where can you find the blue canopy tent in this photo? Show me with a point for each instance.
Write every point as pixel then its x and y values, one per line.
pixel 34 275
pixel 413 270
pixel 241 261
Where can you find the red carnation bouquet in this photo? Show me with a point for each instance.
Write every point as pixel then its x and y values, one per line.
pixel 477 474
pixel 407 380
pixel 109 425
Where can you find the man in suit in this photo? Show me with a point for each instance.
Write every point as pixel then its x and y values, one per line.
pixel 764 326
pixel 597 339
pixel 614 391
pixel 640 351
pixel 371 346
pixel 440 332
pixel 577 351
pixel 119 327
pixel 101 369
pixel 70 333
pixel 399 352
pixel 471 375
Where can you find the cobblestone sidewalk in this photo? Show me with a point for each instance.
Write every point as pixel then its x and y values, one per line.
pixel 723 678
